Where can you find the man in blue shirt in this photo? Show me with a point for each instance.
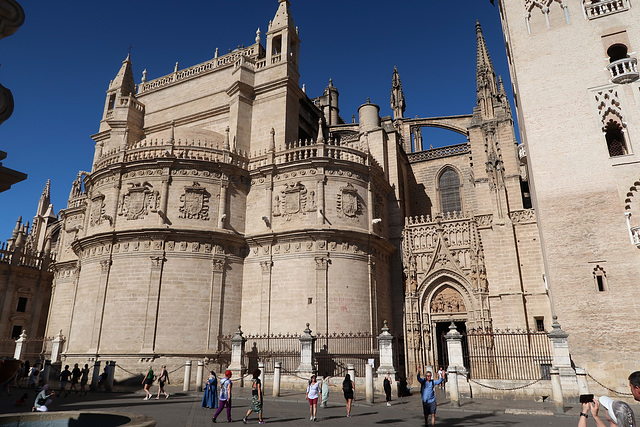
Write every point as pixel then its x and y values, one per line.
pixel 428 396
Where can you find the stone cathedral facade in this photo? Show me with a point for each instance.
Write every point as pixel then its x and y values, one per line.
pixel 223 195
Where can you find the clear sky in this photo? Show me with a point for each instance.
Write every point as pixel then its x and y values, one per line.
pixel 59 63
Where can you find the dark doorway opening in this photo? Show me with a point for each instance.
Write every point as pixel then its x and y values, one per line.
pixel 442 328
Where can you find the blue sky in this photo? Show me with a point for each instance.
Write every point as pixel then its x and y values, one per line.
pixel 59 63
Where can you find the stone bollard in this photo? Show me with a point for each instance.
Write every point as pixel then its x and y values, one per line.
pixel 454 392
pixel 47 371
pixel 187 375
pixel 556 387
pixel 351 370
pixel 261 367
pixel 95 378
pixel 583 386
pixel 385 347
pixel 369 383
pixel 276 379
pixel 20 345
pixel 110 375
pixel 199 373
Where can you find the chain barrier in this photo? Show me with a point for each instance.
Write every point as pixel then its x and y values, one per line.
pixel 295 375
pixel 129 372
pixel 605 387
pixel 505 389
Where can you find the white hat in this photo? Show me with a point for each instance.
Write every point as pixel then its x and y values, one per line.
pixel 607 402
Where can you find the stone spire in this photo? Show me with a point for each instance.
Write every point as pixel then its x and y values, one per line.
pixel 124 80
pixel 45 199
pixel 397 96
pixel 283 18
pixel 485 76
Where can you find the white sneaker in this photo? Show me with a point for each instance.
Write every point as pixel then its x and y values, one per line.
pixel 388 403
pixel 310 418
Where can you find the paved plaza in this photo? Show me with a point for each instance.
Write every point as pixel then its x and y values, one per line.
pixel 183 409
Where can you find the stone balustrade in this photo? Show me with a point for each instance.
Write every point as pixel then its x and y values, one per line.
pixel 427 219
pixel 438 153
pixel 624 70
pixel 202 68
pixel 189 149
pixel 606 7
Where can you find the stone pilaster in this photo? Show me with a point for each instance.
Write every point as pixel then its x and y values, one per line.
pixel 216 301
pixel 265 297
pixel 105 267
pixel 153 298
pixel 222 208
pixel 322 303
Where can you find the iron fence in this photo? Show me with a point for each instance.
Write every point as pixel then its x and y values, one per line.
pixel 507 354
pixel 268 348
pixel 333 352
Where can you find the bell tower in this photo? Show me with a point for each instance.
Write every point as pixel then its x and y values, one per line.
pixel 283 43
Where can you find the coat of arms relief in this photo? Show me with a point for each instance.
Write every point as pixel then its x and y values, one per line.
pixel 295 199
pixel 138 201
pixel 98 211
pixel 195 202
pixel 349 202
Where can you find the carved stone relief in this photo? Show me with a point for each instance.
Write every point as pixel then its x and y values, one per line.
pixel 447 300
pixel 138 201
pixel 98 211
pixel 295 199
pixel 195 202
pixel 348 203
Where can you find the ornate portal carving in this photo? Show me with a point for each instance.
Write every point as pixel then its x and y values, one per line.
pixel 195 202
pixel 447 300
pixel 138 201
pixel 348 202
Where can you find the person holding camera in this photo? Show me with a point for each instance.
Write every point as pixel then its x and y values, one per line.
pixel 618 413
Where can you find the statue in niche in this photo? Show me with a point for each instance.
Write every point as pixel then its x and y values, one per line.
pixel 311 202
pixel 276 207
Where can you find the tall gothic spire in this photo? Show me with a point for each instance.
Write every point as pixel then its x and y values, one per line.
pixel 487 87
pixel 397 96
pixel 124 80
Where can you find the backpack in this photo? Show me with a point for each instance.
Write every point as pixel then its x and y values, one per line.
pixel 223 389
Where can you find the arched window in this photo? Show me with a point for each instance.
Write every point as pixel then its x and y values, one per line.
pixel 615 139
pixel 449 186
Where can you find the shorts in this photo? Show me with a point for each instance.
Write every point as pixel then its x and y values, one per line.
pixel 148 381
pixel 348 395
pixel 313 401
pixel 63 384
pixel 429 408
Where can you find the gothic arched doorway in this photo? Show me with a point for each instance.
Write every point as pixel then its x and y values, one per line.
pixel 446 305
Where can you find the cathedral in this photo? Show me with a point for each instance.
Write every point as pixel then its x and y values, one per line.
pixel 223 195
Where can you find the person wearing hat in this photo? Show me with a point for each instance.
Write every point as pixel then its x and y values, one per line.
pixel 618 413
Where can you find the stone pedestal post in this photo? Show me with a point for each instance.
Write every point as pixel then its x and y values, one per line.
pixel 307 342
pixel 454 348
pixel 261 367
pixel 351 370
pixel 111 373
pixel 369 383
pixel 199 373
pixel 454 391
pixel 556 387
pixel 46 371
pixel 562 358
pixel 20 345
pixel 187 376
pixel 385 347
pixel 583 386
pixel 277 367
pixel 55 347
pixel 237 355
pixel 95 378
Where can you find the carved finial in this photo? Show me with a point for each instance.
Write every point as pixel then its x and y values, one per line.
pixel 272 143
pixel 172 134
pixel 330 82
pixel 175 69
pixel 304 88
pixel 320 132
pixel 144 75
pixel 258 35
pixel 215 55
pixel 226 146
pixel 368 100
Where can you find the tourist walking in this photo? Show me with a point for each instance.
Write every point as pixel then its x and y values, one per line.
pixel 256 397
pixel 313 392
pixel 210 395
pixel 428 396
pixel 442 374
pixel 84 379
pixel 162 379
pixel 34 373
pixel 64 379
pixel 225 396
pixel 386 385
pixel 324 390
pixel 75 378
pixel 43 399
pixel 348 388
pixel 147 382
